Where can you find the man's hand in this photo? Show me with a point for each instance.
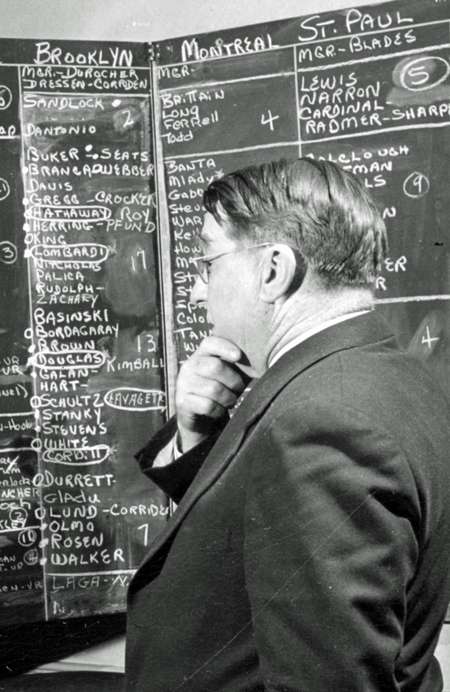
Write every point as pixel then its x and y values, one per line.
pixel 208 384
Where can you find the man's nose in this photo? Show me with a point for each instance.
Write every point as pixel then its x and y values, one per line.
pixel 199 292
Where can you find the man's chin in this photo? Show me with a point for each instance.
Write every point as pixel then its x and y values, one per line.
pixel 243 365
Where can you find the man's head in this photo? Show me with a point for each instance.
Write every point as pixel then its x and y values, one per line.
pixel 286 246
pixel 316 208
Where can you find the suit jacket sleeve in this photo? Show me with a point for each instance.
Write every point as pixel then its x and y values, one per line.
pixel 329 549
pixel 175 478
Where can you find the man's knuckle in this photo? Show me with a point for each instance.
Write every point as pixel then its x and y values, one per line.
pixel 204 407
pixel 210 367
pixel 211 389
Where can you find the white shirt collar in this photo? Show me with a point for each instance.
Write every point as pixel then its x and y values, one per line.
pixel 315 330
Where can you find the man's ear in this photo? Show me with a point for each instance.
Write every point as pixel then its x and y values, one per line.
pixel 282 272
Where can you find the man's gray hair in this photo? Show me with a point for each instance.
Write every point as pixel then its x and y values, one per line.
pixel 315 207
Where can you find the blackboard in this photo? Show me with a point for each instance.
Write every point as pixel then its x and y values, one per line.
pixel 105 150
pixel 81 359
pixel 366 87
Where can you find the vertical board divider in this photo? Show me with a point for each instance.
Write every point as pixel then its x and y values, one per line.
pixel 171 363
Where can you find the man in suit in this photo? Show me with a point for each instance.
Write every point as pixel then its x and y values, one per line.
pixel 310 548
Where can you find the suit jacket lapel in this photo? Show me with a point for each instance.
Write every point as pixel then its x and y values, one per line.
pixel 354 332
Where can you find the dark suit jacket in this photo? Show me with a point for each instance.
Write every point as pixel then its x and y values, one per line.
pixel 311 551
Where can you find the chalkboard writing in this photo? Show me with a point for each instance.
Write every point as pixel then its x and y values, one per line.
pixel 104 159
pixel 366 87
pixel 81 369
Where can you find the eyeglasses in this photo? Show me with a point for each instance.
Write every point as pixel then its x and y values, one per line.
pixel 202 263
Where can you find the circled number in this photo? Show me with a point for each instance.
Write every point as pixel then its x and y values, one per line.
pixel 423 73
pixel 5 97
pixel 8 252
pixel 4 189
pixel 27 538
pixel 416 185
pixel 31 557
